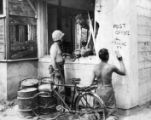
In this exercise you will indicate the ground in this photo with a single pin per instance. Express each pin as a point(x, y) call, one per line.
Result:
point(142, 112)
point(9, 111)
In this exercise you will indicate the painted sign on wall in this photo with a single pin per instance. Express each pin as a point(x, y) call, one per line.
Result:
point(121, 33)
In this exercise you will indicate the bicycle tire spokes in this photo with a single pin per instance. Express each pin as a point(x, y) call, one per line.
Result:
point(90, 103)
point(86, 102)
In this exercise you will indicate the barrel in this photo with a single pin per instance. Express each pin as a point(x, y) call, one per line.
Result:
point(47, 101)
point(46, 80)
point(28, 101)
point(47, 104)
point(29, 82)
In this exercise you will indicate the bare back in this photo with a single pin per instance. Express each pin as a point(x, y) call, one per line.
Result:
point(103, 73)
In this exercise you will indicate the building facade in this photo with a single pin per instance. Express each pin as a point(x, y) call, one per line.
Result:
point(25, 39)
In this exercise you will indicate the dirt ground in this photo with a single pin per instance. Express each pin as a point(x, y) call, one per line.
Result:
point(9, 111)
point(142, 112)
point(13, 114)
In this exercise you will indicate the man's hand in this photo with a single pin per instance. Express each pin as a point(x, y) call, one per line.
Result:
point(118, 55)
point(65, 54)
point(122, 70)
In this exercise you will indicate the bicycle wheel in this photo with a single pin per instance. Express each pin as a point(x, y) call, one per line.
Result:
point(90, 103)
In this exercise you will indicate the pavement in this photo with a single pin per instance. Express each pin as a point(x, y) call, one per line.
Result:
point(142, 112)
point(138, 113)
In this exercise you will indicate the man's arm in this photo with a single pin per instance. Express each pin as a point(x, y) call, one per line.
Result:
point(53, 54)
point(122, 70)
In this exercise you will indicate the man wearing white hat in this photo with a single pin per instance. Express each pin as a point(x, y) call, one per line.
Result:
point(57, 60)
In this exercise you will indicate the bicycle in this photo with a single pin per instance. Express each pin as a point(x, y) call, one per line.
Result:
point(84, 99)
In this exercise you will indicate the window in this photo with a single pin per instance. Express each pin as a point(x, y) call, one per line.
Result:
point(65, 20)
point(1, 6)
point(23, 39)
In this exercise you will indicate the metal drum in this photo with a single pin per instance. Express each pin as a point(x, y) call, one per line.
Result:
point(46, 80)
point(44, 88)
point(28, 101)
point(47, 101)
point(29, 82)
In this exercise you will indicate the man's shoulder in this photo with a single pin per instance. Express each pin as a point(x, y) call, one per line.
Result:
point(112, 67)
point(53, 49)
point(53, 46)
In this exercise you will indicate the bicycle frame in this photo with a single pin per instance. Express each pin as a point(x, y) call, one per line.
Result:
point(59, 95)
point(70, 109)
point(77, 93)
point(74, 97)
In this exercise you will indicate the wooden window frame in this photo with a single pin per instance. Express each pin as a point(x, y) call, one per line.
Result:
point(4, 8)
point(6, 15)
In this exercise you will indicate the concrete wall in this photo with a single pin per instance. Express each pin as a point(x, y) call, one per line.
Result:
point(81, 68)
point(43, 66)
point(124, 26)
point(3, 81)
point(144, 49)
point(12, 73)
point(17, 71)
point(117, 20)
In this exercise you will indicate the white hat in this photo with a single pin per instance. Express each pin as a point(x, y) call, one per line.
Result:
point(57, 35)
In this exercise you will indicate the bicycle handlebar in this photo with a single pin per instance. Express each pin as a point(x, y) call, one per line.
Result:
point(65, 85)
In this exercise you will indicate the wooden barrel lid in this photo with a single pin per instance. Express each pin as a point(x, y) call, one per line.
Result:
point(45, 95)
point(47, 80)
point(27, 92)
point(29, 82)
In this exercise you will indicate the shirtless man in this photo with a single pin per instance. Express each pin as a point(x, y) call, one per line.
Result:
point(102, 73)
point(55, 50)
point(57, 59)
